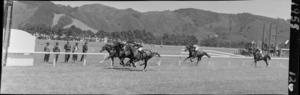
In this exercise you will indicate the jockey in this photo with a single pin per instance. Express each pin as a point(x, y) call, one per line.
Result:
point(196, 47)
point(124, 44)
point(140, 47)
point(259, 52)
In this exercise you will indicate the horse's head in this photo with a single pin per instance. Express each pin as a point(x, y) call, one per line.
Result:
point(106, 47)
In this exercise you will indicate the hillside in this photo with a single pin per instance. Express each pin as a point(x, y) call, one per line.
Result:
point(201, 23)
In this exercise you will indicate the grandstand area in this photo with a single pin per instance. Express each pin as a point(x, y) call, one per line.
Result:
point(223, 73)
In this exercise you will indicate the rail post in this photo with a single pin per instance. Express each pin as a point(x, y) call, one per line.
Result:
point(54, 61)
point(84, 61)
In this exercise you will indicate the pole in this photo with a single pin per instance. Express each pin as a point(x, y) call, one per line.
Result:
point(54, 61)
point(263, 36)
point(84, 61)
point(9, 4)
point(276, 37)
point(269, 39)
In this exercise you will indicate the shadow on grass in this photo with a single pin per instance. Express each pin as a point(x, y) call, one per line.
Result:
point(127, 69)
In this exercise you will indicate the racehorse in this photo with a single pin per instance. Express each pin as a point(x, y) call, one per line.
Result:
point(137, 56)
point(257, 58)
point(194, 54)
point(110, 48)
point(123, 53)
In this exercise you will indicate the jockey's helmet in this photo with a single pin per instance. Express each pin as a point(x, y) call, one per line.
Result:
point(195, 46)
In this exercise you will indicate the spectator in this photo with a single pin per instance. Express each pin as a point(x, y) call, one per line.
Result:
point(84, 50)
point(67, 48)
point(47, 49)
point(56, 49)
point(75, 50)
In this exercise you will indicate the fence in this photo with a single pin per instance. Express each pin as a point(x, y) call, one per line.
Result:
point(163, 55)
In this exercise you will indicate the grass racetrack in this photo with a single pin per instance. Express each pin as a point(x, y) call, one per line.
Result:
point(216, 76)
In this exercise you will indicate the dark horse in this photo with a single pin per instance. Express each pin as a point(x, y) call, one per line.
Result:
point(122, 53)
point(112, 51)
point(135, 55)
point(257, 57)
point(193, 54)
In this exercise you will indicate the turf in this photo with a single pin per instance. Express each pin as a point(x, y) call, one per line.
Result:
point(214, 76)
point(218, 77)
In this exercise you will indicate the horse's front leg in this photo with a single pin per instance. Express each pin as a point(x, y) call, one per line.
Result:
point(112, 62)
point(106, 59)
point(134, 61)
point(129, 62)
point(122, 61)
point(144, 62)
point(186, 58)
point(191, 59)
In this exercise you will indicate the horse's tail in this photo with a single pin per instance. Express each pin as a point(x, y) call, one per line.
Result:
point(206, 54)
point(101, 50)
point(268, 57)
point(155, 53)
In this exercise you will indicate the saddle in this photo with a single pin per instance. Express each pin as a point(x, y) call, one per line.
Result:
point(196, 51)
point(258, 55)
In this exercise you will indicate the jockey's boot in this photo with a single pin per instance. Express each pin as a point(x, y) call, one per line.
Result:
point(141, 52)
point(195, 52)
point(260, 55)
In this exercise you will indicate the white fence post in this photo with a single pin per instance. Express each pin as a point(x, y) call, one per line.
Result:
point(84, 61)
point(54, 61)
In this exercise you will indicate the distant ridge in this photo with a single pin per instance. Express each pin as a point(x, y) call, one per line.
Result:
point(201, 23)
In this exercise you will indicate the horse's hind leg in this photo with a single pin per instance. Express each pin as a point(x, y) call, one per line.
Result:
point(145, 64)
point(267, 63)
point(133, 63)
point(199, 59)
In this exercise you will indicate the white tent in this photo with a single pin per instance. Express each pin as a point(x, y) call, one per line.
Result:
point(20, 43)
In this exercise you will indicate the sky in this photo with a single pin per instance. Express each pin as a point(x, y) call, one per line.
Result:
point(269, 8)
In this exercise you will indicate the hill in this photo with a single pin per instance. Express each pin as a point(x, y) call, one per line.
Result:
point(201, 23)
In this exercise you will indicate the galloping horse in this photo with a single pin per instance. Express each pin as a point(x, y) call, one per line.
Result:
point(110, 48)
point(123, 53)
point(259, 58)
point(137, 56)
point(193, 54)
